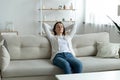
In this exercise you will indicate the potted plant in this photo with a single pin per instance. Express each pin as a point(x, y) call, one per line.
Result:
point(116, 25)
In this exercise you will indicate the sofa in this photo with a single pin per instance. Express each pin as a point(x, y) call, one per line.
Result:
point(28, 56)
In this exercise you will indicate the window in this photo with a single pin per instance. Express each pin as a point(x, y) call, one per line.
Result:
point(96, 11)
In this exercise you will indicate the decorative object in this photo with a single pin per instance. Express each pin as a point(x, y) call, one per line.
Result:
point(9, 26)
point(64, 7)
point(43, 6)
point(118, 10)
point(60, 7)
point(63, 19)
point(71, 6)
point(70, 19)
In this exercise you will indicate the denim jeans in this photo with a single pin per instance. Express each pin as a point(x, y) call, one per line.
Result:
point(68, 63)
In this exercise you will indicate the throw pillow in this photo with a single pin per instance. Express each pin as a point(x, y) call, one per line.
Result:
point(108, 50)
point(4, 56)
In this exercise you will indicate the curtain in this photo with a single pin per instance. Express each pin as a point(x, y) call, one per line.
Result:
point(96, 12)
point(96, 16)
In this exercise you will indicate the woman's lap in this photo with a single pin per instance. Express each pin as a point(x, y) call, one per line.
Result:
point(68, 63)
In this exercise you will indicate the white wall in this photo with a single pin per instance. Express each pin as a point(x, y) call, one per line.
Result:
point(24, 15)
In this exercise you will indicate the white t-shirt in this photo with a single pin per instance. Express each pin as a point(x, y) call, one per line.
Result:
point(63, 45)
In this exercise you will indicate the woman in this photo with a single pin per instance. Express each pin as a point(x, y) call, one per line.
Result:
point(62, 53)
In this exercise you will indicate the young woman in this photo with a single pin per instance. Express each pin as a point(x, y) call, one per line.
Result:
point(63, 55)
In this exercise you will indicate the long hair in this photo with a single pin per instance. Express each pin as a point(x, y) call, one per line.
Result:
point(55, 28)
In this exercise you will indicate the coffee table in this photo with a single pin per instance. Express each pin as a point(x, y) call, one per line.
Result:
point(107, 75)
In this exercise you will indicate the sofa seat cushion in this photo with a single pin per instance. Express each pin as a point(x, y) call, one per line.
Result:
point(93, 64)
point(22, 68)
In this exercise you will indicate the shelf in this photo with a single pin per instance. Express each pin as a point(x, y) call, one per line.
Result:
point(8, 32)
point(64, 11)
point(58, 9)
point(56, 21)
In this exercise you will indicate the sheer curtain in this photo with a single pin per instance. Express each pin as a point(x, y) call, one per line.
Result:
point(96, 12)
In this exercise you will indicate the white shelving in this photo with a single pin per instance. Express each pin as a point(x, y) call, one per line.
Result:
point(8, 32)
point(51, 11)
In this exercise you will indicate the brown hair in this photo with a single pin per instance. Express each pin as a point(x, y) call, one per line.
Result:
point(55, 28)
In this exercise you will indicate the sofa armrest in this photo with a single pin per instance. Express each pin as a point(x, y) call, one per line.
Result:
point(4, 56)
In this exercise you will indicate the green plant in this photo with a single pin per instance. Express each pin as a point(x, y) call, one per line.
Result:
point(117, 26)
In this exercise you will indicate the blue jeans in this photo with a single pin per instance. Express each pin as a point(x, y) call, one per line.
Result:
point(68, 63)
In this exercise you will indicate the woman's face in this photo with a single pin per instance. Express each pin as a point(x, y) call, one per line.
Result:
point(59, 28)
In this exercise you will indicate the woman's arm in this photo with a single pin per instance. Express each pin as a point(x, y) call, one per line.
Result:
point(67, 28)
point(73, 30)
point(47, 29)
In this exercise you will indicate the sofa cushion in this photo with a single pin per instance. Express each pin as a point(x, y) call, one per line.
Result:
point(4, 56)
point(85, 45)
point(95, 64)
point(107, 50)
point(23, 68)
point(27, 46)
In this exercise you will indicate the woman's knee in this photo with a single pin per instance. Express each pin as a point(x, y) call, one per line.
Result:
point(61, 63)
point(64, 65)
point(78, 67)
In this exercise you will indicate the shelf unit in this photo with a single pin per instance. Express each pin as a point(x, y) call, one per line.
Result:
point(56, 21)
point(57, 9)
point(64, 12)
point(8, 32)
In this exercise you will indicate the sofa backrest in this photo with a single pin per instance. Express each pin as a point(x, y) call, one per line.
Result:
point(34, 47)
point(85, 45)
point(27, 47)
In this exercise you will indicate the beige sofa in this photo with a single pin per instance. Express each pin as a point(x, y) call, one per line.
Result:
point(30, 56)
